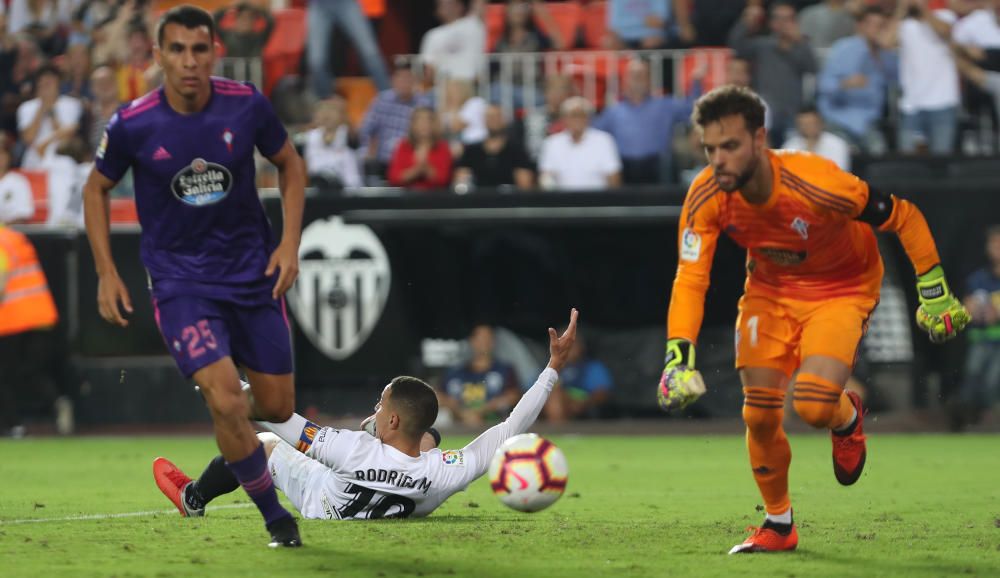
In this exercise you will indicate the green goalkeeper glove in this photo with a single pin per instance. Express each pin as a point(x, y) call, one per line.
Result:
point(940, 314)
point(680, 384)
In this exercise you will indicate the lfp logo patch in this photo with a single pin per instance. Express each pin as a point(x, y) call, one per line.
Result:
point(453, 457)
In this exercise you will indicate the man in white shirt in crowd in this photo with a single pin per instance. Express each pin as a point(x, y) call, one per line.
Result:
point(456, 48)
point(981, 28)
point(810, 136)
point(378, 473)
point(47, 120)
point(328, 152)
point(928, 78)
point(579, 157)
point(16, 202)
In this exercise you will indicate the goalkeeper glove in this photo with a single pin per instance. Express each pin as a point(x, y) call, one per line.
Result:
point(680, 384)
point(940, 314)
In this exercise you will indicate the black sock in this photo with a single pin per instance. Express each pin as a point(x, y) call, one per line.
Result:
point(847, 430)
point(783, 529)
point(217, 479)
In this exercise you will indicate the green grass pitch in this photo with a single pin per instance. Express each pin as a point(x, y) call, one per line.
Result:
point(927, 505)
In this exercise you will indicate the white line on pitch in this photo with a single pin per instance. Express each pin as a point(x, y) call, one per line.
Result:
point(110, 516)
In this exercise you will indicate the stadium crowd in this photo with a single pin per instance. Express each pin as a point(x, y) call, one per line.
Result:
point(840, 78)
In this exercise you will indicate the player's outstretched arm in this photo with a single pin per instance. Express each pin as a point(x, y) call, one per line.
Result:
point(940, 313)
point(110, 290)
point(292, 183)
point(526, 411)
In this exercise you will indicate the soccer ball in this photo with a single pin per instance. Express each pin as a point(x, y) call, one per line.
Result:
point(528, 473)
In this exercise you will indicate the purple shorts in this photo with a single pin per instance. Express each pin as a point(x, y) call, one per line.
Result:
point(199, 331)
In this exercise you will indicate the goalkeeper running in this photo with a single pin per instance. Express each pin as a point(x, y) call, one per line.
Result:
point(813, 279)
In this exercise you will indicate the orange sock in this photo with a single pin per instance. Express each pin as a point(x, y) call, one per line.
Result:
point(770, 454)
point(820, 402)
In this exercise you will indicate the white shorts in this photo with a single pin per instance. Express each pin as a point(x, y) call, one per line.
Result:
point(302, 479)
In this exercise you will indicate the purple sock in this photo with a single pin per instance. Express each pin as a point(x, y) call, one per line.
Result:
point(252, 474)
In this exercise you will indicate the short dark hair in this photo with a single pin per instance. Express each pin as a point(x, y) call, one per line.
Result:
point(870, 11)
point(726, 101)
point(47, 69)
point(809, 109)
point(417, 401)
point(187, 16)
point(786, 3)
point(992, 231)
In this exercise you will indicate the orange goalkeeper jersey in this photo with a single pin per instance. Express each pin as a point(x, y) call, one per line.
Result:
point(803, 243)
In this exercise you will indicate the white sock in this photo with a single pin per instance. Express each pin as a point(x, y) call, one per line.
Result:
point(850, 422)
point(290, 431)
point(784, 518)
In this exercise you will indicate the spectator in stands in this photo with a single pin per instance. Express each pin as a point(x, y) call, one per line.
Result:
point(981, 380)
point(643, 126)
point(646, 24)
point(738, 73)
point(17, 205)
point(244, 29)
point(133, 73)
point(780, 62)
point(463, 115)
point(980, 28)
point(812, 137)
point(329, 152)
point(88, 16)
point(483, 388)
point(323, 17)
point(986, 80)
point(521, 36)
point(388, 117)
point(47, 120)
point(422, 159)
point(456, 48)
point(76, 72)
point(928, 78)
point(103, 106)
point(853, 83)
point(67, 171)
point(584, 386)
point(827, 22)
point(579, 157)
point(496, 161)
point(8, 59)
point(40, 19)
point(540, 123)
point(27, 61)
point(714, 19)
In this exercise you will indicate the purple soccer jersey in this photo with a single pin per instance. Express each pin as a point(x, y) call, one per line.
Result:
point(203, 226)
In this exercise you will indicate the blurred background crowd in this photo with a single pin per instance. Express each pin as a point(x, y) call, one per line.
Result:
point(517, 95)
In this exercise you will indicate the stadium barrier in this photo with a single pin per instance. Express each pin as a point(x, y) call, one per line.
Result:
point(381, 274)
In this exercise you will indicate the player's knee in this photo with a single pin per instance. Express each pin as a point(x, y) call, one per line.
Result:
point(763, 411)
point(816, 413)
point(275, 410)
point(226, 404)
point(816, 399)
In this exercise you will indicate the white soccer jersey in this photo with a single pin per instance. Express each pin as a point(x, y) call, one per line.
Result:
point(351, 474)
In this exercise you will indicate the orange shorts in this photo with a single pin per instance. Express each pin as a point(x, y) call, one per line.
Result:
point(779, 332)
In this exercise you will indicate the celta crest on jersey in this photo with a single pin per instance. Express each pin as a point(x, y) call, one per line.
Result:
point(343, 285)
point(202, 183)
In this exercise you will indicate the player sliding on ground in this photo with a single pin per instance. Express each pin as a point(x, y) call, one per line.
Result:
point(813, 279)
point(383, 473)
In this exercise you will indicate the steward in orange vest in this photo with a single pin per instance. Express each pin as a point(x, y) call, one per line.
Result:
point(25, 300)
